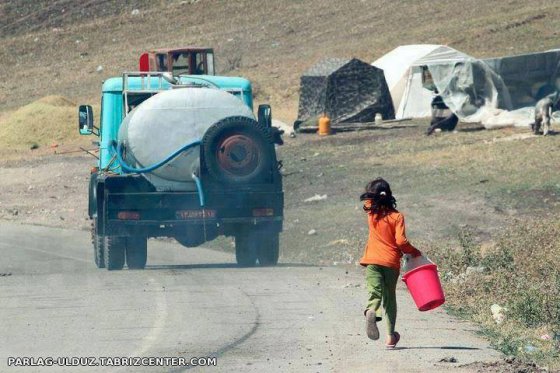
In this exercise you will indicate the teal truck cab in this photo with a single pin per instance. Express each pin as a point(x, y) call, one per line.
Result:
point(182, 157)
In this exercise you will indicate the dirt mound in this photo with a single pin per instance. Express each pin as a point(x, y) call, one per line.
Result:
point(58, 101)
point(48, 120)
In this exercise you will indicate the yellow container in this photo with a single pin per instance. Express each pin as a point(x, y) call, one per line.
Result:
point(324, 125)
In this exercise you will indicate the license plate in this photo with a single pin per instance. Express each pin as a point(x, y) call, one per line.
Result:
point(195, 214)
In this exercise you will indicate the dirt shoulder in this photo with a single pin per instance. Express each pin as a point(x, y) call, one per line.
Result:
point(46, 190)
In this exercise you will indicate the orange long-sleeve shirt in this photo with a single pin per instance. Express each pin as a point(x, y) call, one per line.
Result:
point(387, 241)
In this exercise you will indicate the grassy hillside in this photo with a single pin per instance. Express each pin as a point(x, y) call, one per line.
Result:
point(54, 47)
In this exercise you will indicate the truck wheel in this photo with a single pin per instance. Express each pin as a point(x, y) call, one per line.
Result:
point(92, 197)
point(97, 242)
point(269, 248)
point(238, 150)
point(192, 237)
point(246, 248)
point(113, 252)
point(136, 252)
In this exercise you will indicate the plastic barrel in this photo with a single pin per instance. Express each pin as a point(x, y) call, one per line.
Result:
point(424, 286)
point(324, 126)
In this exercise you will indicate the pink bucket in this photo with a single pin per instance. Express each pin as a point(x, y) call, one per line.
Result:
point(425, 287)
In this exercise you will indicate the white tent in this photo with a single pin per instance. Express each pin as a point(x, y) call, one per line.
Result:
point(468, 86)
point(403, 72)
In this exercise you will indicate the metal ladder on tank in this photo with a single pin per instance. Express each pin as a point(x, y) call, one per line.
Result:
point(151, 82)
point(148, 86)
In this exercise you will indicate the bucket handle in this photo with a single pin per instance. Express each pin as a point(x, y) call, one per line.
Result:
point(407, 258)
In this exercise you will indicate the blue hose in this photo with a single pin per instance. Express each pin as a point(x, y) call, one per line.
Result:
point(118, 150)
point(199, 188)
point(129, 169)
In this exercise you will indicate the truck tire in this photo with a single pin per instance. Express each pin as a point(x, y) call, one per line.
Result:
point(238, 150)
point(97, 242)
point(136, 252)
point(92, 195)
point(192, 237)
point(268, 248)
point(114, 252)
point(246, 246)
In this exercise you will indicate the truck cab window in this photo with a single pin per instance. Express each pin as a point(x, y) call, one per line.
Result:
point(136, 99)
point(181, 62)
point(210, 63)
point(161, 62)
point(200, 68)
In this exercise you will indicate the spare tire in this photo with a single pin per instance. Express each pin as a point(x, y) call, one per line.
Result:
point(238, 150)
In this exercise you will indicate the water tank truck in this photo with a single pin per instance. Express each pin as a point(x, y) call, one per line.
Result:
point(182, 157)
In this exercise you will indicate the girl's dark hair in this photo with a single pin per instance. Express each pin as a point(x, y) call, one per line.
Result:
point(378, 191)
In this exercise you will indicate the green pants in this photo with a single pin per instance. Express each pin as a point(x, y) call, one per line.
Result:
point(381, 285)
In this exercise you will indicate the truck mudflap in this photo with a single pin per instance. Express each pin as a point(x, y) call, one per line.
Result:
point(154, 214)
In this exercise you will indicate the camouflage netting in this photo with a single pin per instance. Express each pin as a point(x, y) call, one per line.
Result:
point(348, 91)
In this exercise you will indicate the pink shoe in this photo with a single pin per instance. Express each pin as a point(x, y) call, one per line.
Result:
point(392, 343)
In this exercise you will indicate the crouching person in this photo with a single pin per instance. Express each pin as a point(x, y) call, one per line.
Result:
point(442, 117)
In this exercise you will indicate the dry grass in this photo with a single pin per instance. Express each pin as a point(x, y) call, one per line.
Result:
point(521, 272)
point(48, 121)
point(455, 180)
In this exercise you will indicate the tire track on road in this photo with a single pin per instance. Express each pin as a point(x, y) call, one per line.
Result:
point(230, 346)
point(10, 245)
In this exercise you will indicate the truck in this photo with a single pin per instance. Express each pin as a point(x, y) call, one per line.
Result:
point(182, 156)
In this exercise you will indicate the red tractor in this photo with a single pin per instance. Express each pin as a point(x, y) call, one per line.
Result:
point(180, 61)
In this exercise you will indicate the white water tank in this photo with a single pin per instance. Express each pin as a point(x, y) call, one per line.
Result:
point(168, 121)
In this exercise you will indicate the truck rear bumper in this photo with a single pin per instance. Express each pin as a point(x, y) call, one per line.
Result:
point(156, 214)
point(172, 228)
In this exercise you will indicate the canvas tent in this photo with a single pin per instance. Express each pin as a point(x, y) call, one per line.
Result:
point(528, 77)
point(400, 76)
point(467, 85)
point(346, 90)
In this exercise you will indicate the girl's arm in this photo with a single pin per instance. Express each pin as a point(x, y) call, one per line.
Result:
point(402, 242)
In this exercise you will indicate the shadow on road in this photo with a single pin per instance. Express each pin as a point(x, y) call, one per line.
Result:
point(437, 348)
point(223, 266)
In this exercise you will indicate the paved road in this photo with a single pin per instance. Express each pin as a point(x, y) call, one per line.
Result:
point(196, 302)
